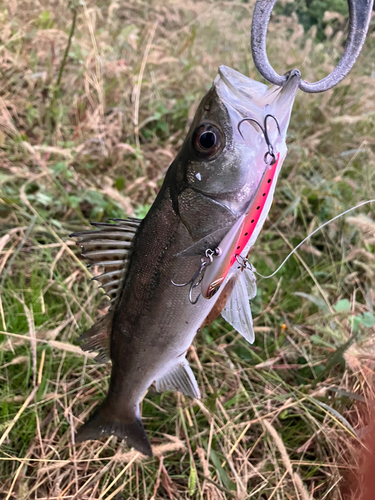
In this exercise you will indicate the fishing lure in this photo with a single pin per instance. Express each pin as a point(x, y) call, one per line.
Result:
point(221, 267)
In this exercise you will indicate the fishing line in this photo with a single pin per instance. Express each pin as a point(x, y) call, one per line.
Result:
point(311, 234)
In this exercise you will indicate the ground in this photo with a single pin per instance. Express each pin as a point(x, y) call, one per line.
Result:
point(91, 115)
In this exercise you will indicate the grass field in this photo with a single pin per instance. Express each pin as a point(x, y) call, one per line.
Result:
point(90, 119)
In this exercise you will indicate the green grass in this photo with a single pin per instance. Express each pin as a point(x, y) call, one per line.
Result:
point(275, 418)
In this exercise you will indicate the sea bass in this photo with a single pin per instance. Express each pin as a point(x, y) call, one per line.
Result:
point(237, 136)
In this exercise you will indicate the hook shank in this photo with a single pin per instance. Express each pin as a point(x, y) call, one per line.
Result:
point(359, 19)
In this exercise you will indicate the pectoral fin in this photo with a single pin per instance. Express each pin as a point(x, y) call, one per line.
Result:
point(237, 309)
point(210, 241)
point(179, 378)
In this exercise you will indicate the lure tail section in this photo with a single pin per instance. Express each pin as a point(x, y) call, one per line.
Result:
point(104, 423)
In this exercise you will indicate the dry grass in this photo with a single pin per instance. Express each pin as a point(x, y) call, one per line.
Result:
point(284, 419)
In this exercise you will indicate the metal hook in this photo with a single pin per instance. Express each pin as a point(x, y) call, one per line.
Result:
point(359, 19)
point(271, 151)
point(244, 263)
point(197, 277)
point(264, 129)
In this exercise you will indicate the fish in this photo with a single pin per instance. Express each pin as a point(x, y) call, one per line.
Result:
point(207, 193)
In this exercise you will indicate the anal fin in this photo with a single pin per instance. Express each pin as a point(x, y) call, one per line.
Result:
point(180, 378)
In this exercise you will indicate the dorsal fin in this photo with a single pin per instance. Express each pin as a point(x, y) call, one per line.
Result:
point(109, 246)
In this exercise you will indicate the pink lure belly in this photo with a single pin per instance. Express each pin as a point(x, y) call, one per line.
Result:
point(237, 238)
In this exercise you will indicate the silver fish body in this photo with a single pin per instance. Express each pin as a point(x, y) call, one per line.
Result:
point(152, 323)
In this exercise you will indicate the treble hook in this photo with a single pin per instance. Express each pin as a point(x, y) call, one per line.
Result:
point(359, 19)
point(264, 129)
point(244, 263)
point(197, 277)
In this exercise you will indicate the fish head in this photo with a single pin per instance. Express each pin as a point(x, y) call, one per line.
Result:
point(225, 152)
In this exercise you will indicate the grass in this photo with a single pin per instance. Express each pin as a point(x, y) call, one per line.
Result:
point(90, 137)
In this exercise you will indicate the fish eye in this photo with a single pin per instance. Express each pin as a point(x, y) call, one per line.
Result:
point(207, 140)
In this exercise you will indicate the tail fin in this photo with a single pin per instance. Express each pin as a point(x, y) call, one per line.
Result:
point(104, 423)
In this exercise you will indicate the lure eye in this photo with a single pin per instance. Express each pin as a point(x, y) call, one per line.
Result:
point(207, 140)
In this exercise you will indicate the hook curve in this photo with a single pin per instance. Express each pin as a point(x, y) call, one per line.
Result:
point(359, 19)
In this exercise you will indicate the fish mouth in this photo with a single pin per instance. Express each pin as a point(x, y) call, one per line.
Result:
point(240, 91)
point(236, 88)
point(246, 98)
